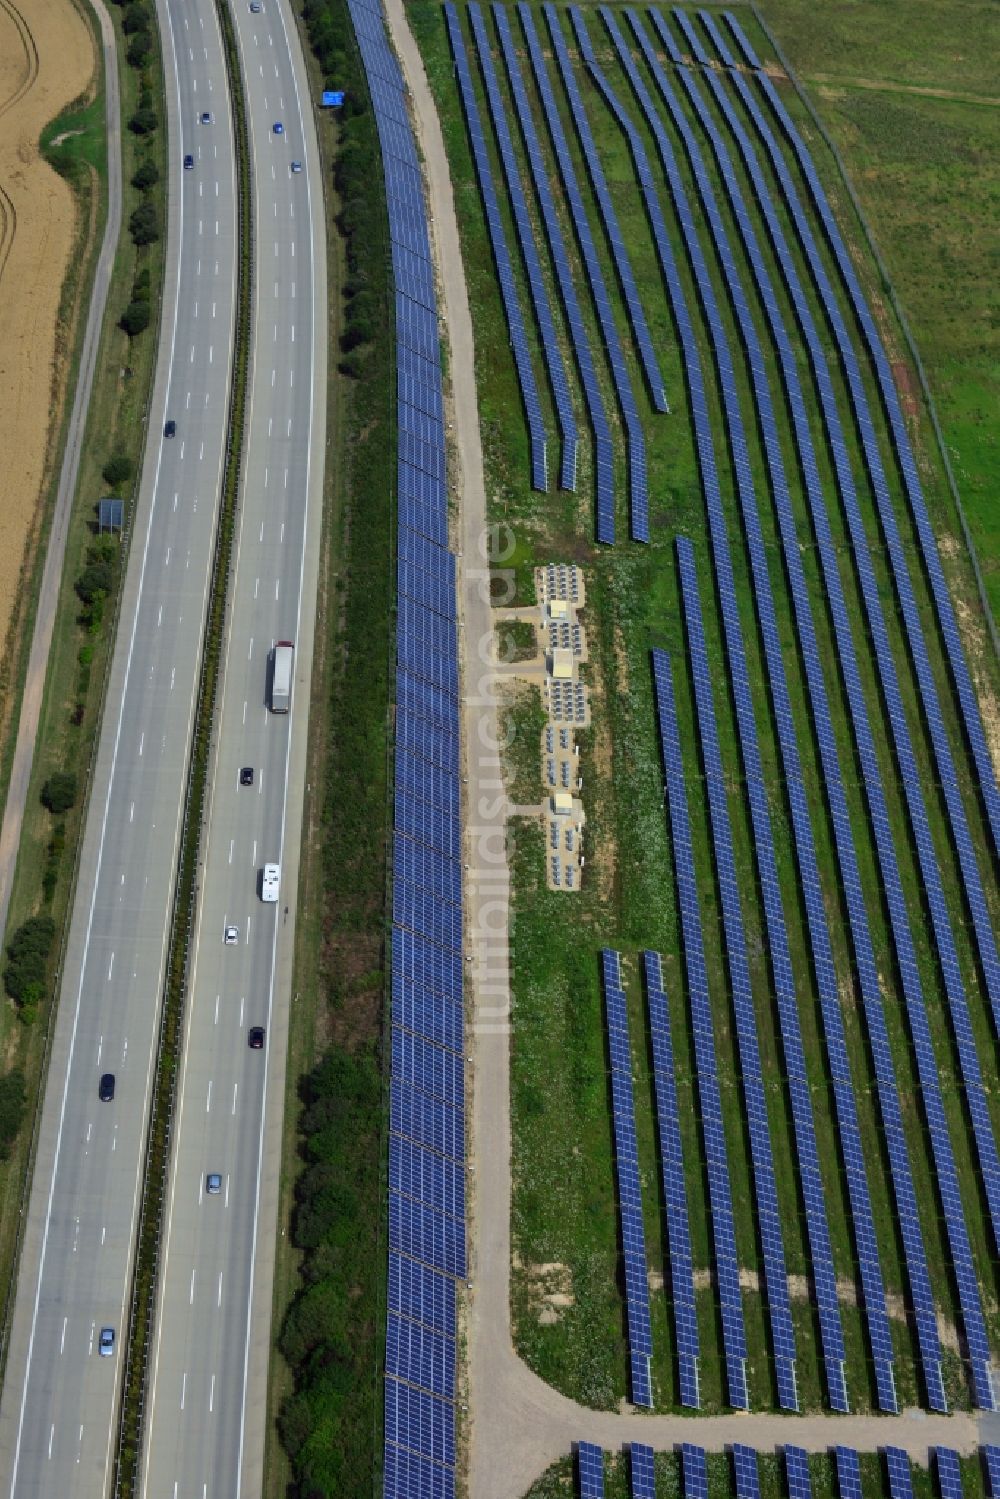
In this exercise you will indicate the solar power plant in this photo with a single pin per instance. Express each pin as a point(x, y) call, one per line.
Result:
point(720, 1191)
point(641, 1476)
point(619, 253)
point(590, 1466)
point(674, 1188)
point(529, 253)
point(969, 704)
point(629, 1186)
point(603, 450)
point(910, 777)
point(949, 1473)
point(992, 1455)
point(501, 254)
point(797, 1473)
point(944, 1158)
point(694, 1471)
point(638, 478)
point(899, 1157)
point(768, 1209)
point(898, 1468)
point(848, 1473)
point(427, 1084)
point(745, 1472)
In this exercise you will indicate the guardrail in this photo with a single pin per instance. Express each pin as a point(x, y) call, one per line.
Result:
point(146, 1261)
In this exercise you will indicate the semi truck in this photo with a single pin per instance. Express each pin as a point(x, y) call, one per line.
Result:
point(281, 676)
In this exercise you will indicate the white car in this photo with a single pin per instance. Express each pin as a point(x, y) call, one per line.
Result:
point(106, 1344)
point(232, 935)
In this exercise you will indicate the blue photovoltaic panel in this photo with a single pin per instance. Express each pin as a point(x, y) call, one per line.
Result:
point(797, 1473)
point(989, 1163)
point(419, 1421)
point(848, 1474)
point(629, 1187)
point(992, 1455)
point(967, 698)
point(695, 1472)
point(429, 1178)
point(745, 1472)
point(768, 1209)
point(718, 41)
point(409, 1476)
point(898, 1468)
point(603, 452)
point(428, 1121)
point(949, 1473)
point(690, 36)
point(424, 866)
point(424, 1233)
point(899, 1158)
point(422, 1358)
point(529, 252)
point(501, 254)
point(642, 1478)
point(674, 1188)
point(417, 962)
point(638, 490)
point(422, 1294)
point(590, 1465)
point(720, 1191)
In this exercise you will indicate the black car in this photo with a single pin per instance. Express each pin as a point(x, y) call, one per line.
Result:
point(246, 776)
point(189, 163)
point(255, 1039)
point(106, 1091)
point(170, 429)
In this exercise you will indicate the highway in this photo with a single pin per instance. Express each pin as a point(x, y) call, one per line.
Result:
point(57, 1413)
point(205, 1407)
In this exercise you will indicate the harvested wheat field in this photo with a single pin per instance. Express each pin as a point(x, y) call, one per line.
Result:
point(47, 60)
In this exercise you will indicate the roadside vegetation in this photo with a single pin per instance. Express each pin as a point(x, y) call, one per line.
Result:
point(86, 618)
point(325, 1391)
point(566, 1288)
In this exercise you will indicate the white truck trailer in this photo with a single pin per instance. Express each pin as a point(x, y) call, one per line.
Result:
point(281, 676)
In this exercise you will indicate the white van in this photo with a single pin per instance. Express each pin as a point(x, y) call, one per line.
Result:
point(269, 880)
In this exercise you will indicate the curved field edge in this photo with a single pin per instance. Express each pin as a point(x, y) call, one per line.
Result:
point(83, 634)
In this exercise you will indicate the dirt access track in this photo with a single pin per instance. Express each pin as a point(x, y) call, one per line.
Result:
point(47, 60)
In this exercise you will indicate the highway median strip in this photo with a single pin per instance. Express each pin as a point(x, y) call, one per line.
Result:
point(147, 1256)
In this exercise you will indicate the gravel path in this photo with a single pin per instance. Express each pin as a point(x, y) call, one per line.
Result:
point(518, 1424)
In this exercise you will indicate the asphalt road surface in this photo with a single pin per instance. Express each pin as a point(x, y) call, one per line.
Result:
point(57, 1414)
point(205, 1411)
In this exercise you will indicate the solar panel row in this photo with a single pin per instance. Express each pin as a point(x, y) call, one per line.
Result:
point(898, 1469)
point(909, 772)
point(899, 1157)
point(641, 1476)
point(944, 1160)
point(797, 1473)
point(590, 1464)
point(768, 1208)
point(620, 255)
point(637, 470)
point(674, 1189)
point(603, 450)
point(949, 1473)
point(529, 253)
point(694, 1470)
point(993, 1470)
point(427, 1087)
point(720, 1192)
point(501, 254)
point(968, 700)
point(640, 1339)
point(745, 1472)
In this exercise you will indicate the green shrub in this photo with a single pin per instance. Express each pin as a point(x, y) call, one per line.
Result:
point(144, 225)
point(136, 18)
point(141, 286)
point(143, 122)
point(13, 1097)
point(140, 49)
point(135, 318)
point(117, 470)
point(147, 176)
point(28, 955)
point(59, 792)
point(95, 582)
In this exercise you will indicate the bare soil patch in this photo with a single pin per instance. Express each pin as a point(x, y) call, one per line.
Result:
point(47, 61)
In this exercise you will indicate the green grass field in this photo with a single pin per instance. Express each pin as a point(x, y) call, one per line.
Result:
point(569, 1316)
